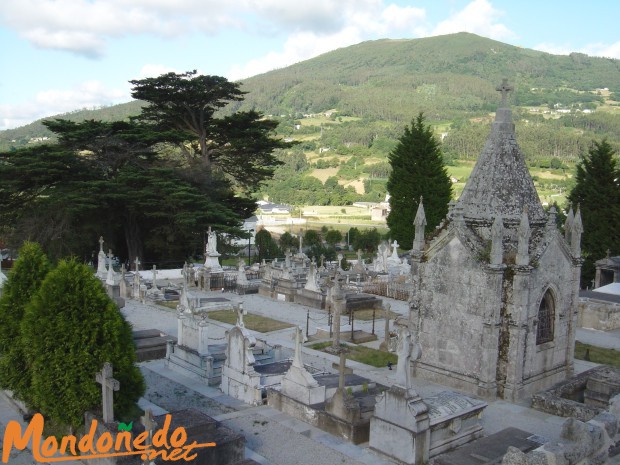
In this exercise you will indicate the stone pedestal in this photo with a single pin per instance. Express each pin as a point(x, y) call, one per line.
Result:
point(314, 299)
point(400, 427)
point(212, 263)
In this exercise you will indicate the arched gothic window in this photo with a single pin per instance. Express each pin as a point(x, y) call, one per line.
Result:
point(546, 319)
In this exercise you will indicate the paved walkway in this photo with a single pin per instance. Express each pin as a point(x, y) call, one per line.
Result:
point(595, 337)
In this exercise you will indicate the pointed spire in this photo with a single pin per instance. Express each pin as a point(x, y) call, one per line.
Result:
point(497, 239)
point(523, 234)
point(568, 224)
point(500, 183)
point(575, 236)
point(420, 223)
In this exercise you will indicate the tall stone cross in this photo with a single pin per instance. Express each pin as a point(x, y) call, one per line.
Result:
point(504, 88)
point(137, 262)
point(154, 277)
point(108, 386)
point(100, 243)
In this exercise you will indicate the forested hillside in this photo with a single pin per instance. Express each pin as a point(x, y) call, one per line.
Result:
point(347, 108)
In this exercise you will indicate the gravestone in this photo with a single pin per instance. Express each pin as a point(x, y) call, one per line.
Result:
point(212, 262)
point(191, 353)
point(239, 379)
point(135, 292)
point(400, 426)
point(455, 419)
point(108, 386)
point(102, 272)
point(298, 383)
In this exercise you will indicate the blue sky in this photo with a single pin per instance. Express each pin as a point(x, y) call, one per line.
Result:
point(64, 55)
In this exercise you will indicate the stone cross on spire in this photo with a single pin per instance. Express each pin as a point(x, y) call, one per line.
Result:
point(504, 88)
point(137, 262)
point(100, 243)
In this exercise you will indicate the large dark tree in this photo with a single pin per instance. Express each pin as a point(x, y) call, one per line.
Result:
point(150, 186)
point(597, 192)
point(70, 329)
point(417, 171)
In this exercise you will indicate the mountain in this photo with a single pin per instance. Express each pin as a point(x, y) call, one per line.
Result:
point(449, 78)
point(443, 76)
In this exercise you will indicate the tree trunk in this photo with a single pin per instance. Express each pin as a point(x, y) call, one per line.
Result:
point(133, 239)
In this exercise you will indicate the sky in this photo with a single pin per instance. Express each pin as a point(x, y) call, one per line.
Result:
point(65, 55)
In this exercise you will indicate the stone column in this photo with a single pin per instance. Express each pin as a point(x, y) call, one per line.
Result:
point(203, 339)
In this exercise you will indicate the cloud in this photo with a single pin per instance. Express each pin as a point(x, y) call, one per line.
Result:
point(361, 21)
point(598, 49)
point(478, 17)
point(84, 26)
point(89, 94)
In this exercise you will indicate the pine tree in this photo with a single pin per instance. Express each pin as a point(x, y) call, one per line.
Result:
point(597, 193)
point(70, 329)
point(417, 171)
point(23, 282)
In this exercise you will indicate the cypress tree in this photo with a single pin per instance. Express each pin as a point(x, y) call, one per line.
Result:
point(23, 282)
point(417, 170)
point(597, 192)
point(70, 329)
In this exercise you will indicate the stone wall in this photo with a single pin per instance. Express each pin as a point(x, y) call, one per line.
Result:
point(598, 314)
point(460, 302)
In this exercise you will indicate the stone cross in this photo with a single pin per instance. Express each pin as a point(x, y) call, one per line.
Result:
point(100, 243)
point(300, 244)
point(338, 302)
point(108, 385)
point(504, 88)
point(137, 262)
point(149, 426)
point(154, 277)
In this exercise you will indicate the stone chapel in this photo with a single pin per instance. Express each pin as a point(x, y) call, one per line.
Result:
point(495, 294)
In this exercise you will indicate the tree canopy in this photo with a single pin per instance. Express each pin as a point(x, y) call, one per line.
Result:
point(239, 145)
point(23, 282)
point(417, 171)
point(152, 185)
point(69, 330)
point(597, 193)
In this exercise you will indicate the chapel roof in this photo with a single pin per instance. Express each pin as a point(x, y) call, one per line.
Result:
point(500, 183)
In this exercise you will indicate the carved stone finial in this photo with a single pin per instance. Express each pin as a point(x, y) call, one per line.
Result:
point(420, 223)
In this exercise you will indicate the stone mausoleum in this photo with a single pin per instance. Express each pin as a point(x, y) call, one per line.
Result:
point(496, 289)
